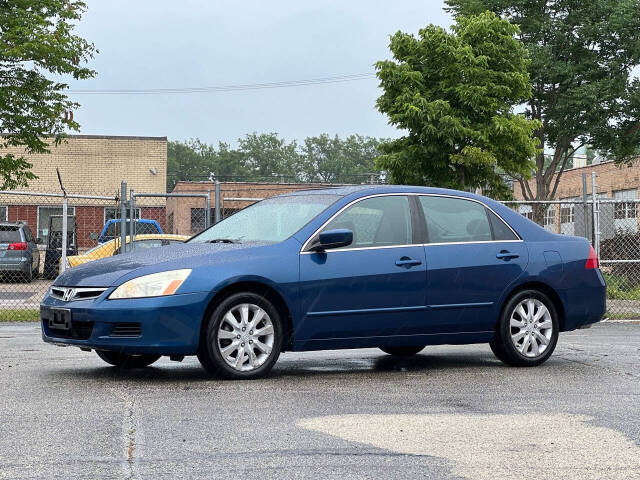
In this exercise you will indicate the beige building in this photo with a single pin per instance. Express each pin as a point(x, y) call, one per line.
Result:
point(90, 165)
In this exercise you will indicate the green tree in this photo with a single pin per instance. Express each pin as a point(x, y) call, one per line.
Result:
point(267, 155)
point(333, 160)
point(583, 53)
point(188, 161)
point(453, 93)
point(36, 40)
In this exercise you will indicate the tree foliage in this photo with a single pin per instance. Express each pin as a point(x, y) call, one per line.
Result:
point(37, 42)
point(582, 57)
point(454, 93)
point(267, 157)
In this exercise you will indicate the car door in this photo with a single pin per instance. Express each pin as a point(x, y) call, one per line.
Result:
point(472, 256)
point(374, 287)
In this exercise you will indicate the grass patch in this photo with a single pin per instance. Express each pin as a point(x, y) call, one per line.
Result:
point(19, 315)
point(622, 316)
point(620, 288)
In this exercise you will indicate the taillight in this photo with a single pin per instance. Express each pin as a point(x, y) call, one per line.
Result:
point(592, 260)
point(17, 246)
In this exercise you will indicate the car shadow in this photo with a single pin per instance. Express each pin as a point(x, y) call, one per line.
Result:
point(289, 367)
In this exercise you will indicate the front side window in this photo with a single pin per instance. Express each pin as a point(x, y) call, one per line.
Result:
point(376, 222)
point(454, 220)
point(269, 221)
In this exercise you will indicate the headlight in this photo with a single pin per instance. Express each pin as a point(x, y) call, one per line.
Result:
point(154, 285)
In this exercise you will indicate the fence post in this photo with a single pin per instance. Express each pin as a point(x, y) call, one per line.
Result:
point(207, 210)
point(217, 193)
point(65, 227)
point(596, 214)
point(123, 216)
point(132, 216)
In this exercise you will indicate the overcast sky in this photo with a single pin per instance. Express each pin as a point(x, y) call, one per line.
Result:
point(168, 44)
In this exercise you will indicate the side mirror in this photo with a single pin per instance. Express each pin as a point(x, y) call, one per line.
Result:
point(38, 240)
point(337, 238)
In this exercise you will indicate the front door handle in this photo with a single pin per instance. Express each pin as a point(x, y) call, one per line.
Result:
point(408, 262)
point(506, 255)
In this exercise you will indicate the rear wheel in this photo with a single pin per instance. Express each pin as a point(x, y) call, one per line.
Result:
point(124, 360)
point(403, 351)
point(528, 329)
point(243, 337)
point(28, 276)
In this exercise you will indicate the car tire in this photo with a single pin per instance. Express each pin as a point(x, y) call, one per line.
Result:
point(124, 360)
point(230, 330)
point(527, 332)
point(403, 351)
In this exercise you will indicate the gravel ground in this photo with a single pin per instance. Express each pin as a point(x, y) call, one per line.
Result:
point(449, 412)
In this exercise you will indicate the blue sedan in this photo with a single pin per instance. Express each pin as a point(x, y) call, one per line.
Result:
point(392, 267)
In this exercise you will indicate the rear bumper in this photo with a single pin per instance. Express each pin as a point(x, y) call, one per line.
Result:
point(585, 305)
point(168, 325)
point(22, 264)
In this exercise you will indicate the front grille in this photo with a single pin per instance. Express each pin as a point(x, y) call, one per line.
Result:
point(78, 331)
point(69, 294)
point(126, 330)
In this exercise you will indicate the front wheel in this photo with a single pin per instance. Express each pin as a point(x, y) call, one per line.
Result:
point(126, 361)
point(403, 351)
point(243, 337)
point(528, 329)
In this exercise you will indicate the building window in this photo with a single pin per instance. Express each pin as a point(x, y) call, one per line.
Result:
point(197, 220)
point(3, 214)
point(526, 211)
point(550, 216)
point(111, 213)
point(44, 215)
point(567, 212)
point(625, 210)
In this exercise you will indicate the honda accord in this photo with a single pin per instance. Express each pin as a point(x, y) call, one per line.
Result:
point(390, 267)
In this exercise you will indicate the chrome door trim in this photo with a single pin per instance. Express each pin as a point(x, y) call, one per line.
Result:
point(303, 250)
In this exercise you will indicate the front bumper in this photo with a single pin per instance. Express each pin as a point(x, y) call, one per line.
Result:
point(168, 325)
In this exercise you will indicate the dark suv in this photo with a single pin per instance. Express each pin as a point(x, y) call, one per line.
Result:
point(19, 255)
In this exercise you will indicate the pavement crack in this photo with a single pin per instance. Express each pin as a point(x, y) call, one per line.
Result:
point(130, 434)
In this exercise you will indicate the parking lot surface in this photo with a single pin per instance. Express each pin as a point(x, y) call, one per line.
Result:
point(449, 412)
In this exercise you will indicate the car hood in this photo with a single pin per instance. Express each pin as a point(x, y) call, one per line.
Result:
point(106, 272)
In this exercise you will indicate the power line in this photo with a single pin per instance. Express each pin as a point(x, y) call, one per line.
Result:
point(231, 88)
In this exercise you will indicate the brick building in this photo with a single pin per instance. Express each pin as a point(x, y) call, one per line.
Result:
point(186, 215)
point(90, 165)
point(618, 182)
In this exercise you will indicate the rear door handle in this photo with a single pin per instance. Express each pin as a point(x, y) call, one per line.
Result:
point(506, 255)
point(407, 262)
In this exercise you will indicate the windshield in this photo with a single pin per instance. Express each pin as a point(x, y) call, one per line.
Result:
point(272, 220)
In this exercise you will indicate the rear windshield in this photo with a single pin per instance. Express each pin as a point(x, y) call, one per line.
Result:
point(9, 234)
point(113, 230)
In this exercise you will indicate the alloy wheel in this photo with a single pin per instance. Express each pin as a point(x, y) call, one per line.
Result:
point(245, 337)
point(531, 327)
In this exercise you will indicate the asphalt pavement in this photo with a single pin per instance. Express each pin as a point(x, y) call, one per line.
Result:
point(451, 412)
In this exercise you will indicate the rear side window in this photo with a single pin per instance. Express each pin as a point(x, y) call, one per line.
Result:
point(28, 235)
point(9, 234)
point(452, 220)
point(500, 229)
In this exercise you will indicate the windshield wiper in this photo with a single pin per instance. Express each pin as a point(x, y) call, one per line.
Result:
point(222, 240)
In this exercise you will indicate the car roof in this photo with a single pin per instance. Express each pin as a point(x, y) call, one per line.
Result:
point(344, 190)
point(138, 220)
point(12, 224)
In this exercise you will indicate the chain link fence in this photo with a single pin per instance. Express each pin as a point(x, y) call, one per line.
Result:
point(36, 242)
